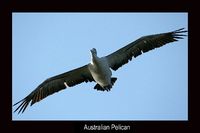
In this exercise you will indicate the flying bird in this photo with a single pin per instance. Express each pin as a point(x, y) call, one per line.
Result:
point(99, 69)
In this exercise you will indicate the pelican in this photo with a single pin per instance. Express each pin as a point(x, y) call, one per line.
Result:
point(99, 69)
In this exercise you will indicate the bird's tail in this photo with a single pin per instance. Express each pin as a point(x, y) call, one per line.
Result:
point(98, 87)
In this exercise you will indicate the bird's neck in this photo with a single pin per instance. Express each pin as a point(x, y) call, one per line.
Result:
point(94, 59)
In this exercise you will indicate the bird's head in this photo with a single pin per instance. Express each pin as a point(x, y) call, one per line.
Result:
point(93, 51)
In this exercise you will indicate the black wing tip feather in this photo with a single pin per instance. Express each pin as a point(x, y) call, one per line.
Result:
point(22, 106)
point(176, 32)
point(180, 30)
point(17, 102)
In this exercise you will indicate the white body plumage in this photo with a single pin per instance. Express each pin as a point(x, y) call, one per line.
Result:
point(100, 69)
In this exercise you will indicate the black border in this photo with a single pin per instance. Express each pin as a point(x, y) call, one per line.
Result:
point(77, 126)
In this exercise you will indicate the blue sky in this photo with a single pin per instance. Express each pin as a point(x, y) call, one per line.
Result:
point(153, 86)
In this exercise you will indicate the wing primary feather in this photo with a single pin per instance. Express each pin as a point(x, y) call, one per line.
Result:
point(33, 100)
point(25, 106)
point(19, 106)
point(177, 37)
point(24, 102)
point(18, 102)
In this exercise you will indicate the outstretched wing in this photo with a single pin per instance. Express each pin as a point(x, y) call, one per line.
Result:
point(55, 84)
point(142, 45)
